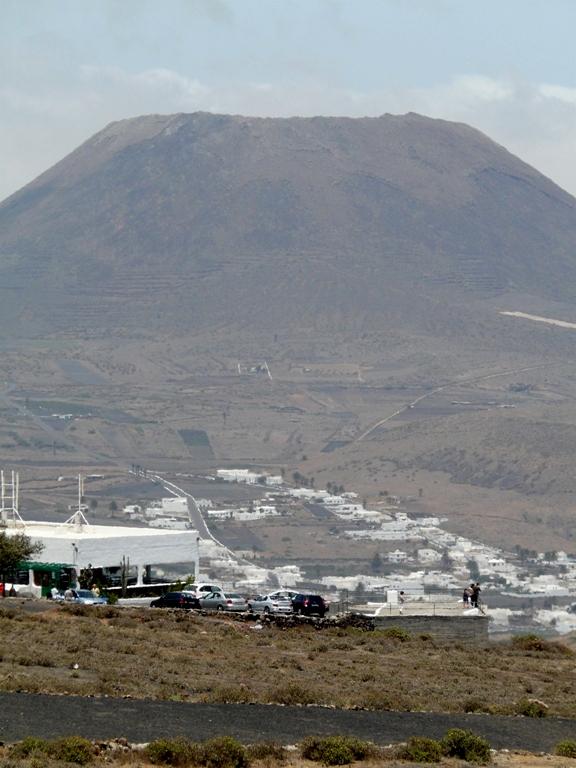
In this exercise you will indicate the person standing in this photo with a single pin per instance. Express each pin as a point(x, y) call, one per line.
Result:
point(475, 594)
point(401, 601)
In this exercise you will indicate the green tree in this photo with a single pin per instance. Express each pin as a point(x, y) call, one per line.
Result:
point(113, 506)
point(14, 550)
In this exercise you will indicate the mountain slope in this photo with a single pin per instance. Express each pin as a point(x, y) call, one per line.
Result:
point(196, 221)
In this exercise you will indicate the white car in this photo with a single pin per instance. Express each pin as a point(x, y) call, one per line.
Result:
point(202, 589)
point(270, 604)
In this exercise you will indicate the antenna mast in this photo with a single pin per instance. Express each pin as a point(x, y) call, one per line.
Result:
point(9, 497)
point(78, 518)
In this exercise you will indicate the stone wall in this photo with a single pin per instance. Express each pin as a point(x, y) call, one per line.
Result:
point(450, 628)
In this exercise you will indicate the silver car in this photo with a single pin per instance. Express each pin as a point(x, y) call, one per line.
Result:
point(223, 601)
point(283, 593)
point(270, 604)
point(84, 597)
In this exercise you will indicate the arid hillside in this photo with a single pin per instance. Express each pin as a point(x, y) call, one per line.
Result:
point(322, 295)
point(191, 222)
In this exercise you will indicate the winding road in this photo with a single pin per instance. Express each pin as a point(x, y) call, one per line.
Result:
point(456, 382)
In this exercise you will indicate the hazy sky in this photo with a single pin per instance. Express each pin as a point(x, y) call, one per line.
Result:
point(69, 67)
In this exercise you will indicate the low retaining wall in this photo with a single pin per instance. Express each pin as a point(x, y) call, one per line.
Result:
point(473, 629)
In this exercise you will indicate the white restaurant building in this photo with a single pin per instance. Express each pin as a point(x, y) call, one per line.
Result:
point(82, 545)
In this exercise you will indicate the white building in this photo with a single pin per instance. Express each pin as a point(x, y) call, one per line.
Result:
point(176, 506)
point(288, 575)
point(237, 476)
point(307, 493)
point(256, 512)
point(427, 555)
point(105, 546)
point(220, 514)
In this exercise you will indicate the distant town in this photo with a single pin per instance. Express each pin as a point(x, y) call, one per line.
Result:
point(415, 555)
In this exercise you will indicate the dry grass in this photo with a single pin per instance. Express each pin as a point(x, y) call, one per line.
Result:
point(180, 656)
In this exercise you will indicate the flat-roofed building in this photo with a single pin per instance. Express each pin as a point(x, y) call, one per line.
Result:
point(83, 546)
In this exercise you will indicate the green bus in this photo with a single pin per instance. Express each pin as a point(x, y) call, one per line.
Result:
point(34, 579)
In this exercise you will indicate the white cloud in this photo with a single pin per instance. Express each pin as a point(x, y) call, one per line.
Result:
point(559, 92)
point(159, 83)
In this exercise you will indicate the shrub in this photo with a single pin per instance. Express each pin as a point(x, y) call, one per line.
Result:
point(397, 633)
point(335, 750)
point(362, 750)
point(229, 695)
point(538, 644)
point(476, 705)
point(292, 693)
point(466, 745)
point(77, 610)
point(224, 752)
point(566, 748)
point(72, 749)
point(531, 708)
point(267, 750)
point(529, 643)
point(170, 752)
point(28, 746)
point(330, 750)
point(421, 750)
point(380, 700)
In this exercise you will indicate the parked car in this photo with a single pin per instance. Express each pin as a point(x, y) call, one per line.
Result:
point(270, 604)
point(308, 605)
point(83, 597)
point(176, 600)
point(202, 589)
point(283, 593)
point(223, 601)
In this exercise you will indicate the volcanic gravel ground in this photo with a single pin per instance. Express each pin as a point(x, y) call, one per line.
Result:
point(142, 721)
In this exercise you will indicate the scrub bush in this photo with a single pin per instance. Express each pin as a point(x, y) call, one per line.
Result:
point(224, 752)
point(421, 750)
point(29, 746)
point(540, 645)
point(267, 750)
point(171, 752)
point(335, 750)
point(466, 745)
point(531, 708)
point(72, 749)
point(291, 694)
point(396, 633)
point(566, 748)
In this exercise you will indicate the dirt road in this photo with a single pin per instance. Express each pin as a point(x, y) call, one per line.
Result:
point(141, 721)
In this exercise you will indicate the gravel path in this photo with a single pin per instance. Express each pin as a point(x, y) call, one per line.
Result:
point(140, 721)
